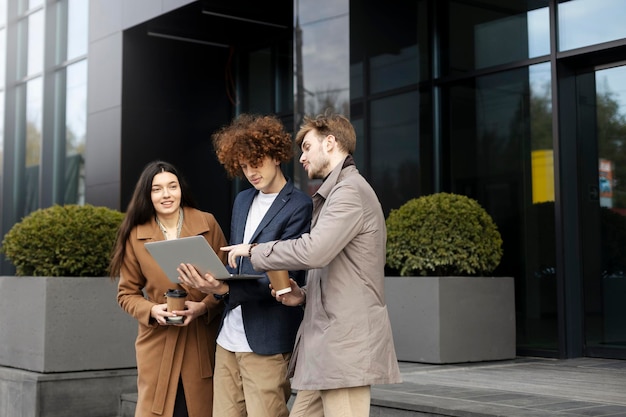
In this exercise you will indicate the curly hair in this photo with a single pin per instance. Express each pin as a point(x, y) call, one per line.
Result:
point(251, 138)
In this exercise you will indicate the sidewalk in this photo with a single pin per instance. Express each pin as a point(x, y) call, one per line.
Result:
point(523, 387)
point(518, 388)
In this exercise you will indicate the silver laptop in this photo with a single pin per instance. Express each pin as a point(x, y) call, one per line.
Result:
point(194, 250)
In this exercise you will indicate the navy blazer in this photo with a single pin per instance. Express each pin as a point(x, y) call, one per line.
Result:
point(270, 326)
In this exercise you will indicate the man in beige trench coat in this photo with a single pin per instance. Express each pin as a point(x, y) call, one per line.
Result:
point(344, 344)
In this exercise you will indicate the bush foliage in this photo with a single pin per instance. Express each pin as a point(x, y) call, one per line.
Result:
point(70, 240)
point(442, 235)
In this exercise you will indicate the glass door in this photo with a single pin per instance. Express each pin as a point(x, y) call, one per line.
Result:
point(601, 125)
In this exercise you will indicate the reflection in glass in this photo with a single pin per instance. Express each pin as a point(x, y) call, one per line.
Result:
point(359, 152)
point(481, 35)
point(541, 144)
point(34, 107)
point(538, 22)
point(35, 43)
point(394, 58)
point(395, 148)
point(391, 59)
point(3, 12)
point(76, 126)
point(356, 80)
point(260, 75)
point(611, 114)
point(34, 3)
point(494, 125)
point(539, 329)
point(604, 227)
point(588, 22)
point(77, 26)
point(3, 62)
point(1, 133)
point(390, 71)
point(323, 74)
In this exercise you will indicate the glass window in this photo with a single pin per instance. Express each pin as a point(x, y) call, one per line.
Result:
point(356, 80)
point(76, 126)
point(34, 91)
point(359, 151)
point(260, 75)
point(34, 3)
point(3, 12)
point(611, 116)
point(77, 26)
point(483, 34)
point(26, 5)
point(392, 58)
point(33, 128)
point(322, 27)
point(388, 71)
point(499, 151)
point(588, 22)
point(396, 139)
point(322, 72)
point(605, 259)
point(541, 146)
point(1, 133)
point(3, 50)
point(3, 54)
point(35, 43)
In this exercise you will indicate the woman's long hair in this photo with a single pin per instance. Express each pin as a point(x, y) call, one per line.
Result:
point(140, 209)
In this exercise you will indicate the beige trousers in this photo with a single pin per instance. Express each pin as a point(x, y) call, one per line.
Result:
point(248, 384)
point(340, 402)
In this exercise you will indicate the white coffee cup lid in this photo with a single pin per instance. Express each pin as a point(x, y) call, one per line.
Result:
point(283, 291)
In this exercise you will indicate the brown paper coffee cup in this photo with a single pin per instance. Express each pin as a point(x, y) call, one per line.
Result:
point(279, 281)
point(176, 302)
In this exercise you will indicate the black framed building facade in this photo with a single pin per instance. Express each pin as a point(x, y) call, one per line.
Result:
point(518, 104)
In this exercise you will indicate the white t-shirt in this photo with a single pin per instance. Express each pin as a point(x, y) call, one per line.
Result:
point(232, 336)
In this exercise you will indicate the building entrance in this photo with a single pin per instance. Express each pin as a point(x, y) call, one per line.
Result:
point(601, 155)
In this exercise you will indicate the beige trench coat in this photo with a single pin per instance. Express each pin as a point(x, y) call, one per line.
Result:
point(165, 353)
point(345, 338)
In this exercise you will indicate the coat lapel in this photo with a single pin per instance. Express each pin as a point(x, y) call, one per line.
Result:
point(281, 199)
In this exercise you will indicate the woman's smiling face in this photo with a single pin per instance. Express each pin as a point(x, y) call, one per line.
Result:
point(165, 194)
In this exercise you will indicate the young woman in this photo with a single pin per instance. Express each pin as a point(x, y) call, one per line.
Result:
point(174, 361)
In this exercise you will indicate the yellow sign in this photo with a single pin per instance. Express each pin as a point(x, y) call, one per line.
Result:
point(542, 175)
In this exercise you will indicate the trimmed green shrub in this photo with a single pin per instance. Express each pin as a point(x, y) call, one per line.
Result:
point(70, 241)
point(442, 235)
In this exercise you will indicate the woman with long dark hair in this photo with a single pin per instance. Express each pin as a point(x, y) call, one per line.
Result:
point(174, 361)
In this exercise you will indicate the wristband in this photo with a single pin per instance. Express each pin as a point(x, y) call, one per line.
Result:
point(221, 296)
point(250, 249)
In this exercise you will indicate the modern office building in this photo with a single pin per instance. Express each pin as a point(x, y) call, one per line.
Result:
point(518, 104)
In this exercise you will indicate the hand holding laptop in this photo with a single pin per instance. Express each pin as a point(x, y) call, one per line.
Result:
point(206, 283)
point(194, 250)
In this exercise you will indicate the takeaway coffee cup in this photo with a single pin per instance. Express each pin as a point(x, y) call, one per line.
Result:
point(175, 302)
point(279, 281)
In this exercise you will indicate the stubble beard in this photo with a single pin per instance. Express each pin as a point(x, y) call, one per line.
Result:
point(319, 173)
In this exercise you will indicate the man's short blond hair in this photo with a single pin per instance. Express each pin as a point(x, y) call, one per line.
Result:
point(330, 123)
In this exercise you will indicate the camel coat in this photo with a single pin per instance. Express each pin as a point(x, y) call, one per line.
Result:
point(345, 338)
point(167, 353)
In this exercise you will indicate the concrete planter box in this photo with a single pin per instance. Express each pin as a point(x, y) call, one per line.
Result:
point(64, 324)
point(452, 319)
